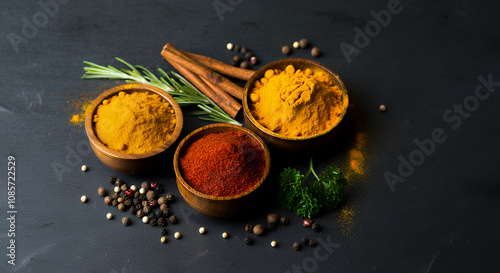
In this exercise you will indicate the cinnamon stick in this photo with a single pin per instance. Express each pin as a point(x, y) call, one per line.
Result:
point(230, 107)
point(169, 52)
point(226, 97)
point(221, 67)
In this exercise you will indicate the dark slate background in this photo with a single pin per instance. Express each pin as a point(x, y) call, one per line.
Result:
point(442, 218)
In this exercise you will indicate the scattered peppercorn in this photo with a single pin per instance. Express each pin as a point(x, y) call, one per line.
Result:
point(272, 218)
point(244, 65)
point(145, 185)
point(162, 222)
point(112, 180)
point(109, 216)
point(237, 48)
point(316, 227)
point(153, 185)
point(122, 194)
point(108, 200)
point(136, 201)
point(225, 235)
point(304, 43)
point(101, 191)
point(296, 44)
point(249, 55)
point(315, 52)
point(258, 229)
point(304, 240)
point(158, 213)
point(146, 209)
point(142, 191)
point(274, 244)
point(163, 231)
point(138, 206)
point(117, 189)
point(127, 202)
point(114, 203)
point(177, 235)
point(126, 221)
point(153, 203)
point(133, 210)
point(137, 193)
point(254, 60)
point(145, 219)
point(307, 223)
point(162, 200)
point(158, 189)
point(284, 220)
point(296, 246)
point(124, 187)
point(114, 196)
point(118, 182)
point(248, 240)
point(166, 212)
point(271, 227)
point(84, 168)
point(163, 239)
point(83, 198)
point(129, 192)
point(243, 50)
point(173, 219)
point(286, 50)
point(382, 108)
point(133, 188)
point(122, 207)
point(145, 203)
point(139, 213)
point(311, 243)
point(170, 197)
point(151, 195)
point(236, 60)
point(229, 46)
point(120, 199)
point(202, 230)
point(153, 222)
point(249, 228)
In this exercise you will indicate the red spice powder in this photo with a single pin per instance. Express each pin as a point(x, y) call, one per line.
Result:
point(223, 164)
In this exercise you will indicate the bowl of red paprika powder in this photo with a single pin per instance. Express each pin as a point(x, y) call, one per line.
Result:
point(220, 169)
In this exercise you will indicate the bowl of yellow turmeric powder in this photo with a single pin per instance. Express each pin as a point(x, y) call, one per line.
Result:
point(295, 104)
point(131, 126)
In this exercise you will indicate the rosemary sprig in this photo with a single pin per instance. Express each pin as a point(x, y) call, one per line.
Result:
point(179, 88)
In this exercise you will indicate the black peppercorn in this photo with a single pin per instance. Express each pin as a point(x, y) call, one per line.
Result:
point(244, 65)
point(142, 197)
point(236, 60)
point(136, 201)
point(249, 228)
point(237, 48)
point(271, 227)
point(146, 209)
point(151, 195)
point(114, 196)
point(243, 50)
point(272, 218)
point(248, 240)
point(158, 189)
point(108, 200)
point(127, 202)
point(145, 185)
point(296, 246)
point(316, 227)
point(145, 203)
point(284, 220)
point(118, 182)
point(138, 206)
point(152, 216)
point(163, 231)
point(248, 55)
point(166, 212)
point(112, 180)
point(304, 240)
point(162, 222)
point(170, 198)
point(114, 203)
point(122, 194)
point(153, 222)
point(133, 210)
point(158, 213)
point(173, 219)
point(311, 243)
point(139, 213)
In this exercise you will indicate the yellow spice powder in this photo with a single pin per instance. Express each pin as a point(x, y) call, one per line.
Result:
point(134, 123)
point(295, 102)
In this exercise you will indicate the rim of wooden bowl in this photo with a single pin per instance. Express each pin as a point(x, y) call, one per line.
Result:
point(226, 127)
point(283, 63)
point(131, 88)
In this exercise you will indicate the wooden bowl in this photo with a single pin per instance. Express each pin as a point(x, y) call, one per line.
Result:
point(131, 163)
point(287, 143)
point(226, 206)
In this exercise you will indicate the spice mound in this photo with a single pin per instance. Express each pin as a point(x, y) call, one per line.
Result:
point(134, 123)
point(296, 103)
point(223, 164)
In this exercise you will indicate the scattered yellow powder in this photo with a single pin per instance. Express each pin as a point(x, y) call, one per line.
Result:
point(356, 156)
point(347, 220)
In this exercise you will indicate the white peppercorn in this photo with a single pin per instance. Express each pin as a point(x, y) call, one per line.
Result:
point(109, 216)
point(84, 168)
point(177, 235)
point(83, 198)
point(202, 230)
point(145, 219)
